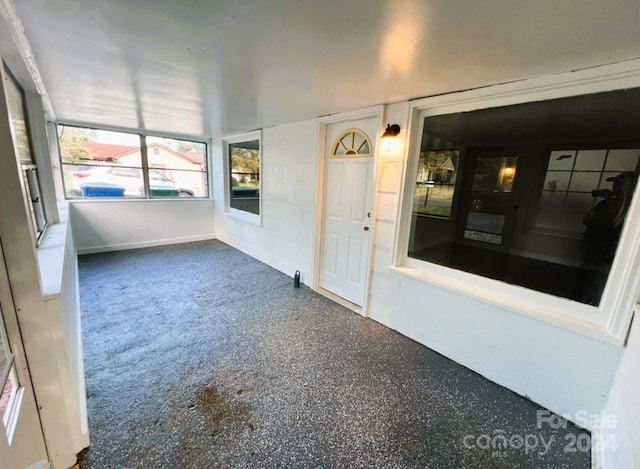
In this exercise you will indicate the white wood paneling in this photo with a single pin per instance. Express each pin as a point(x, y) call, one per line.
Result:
point(554, 366)
point(284, 240)
point(619, 430)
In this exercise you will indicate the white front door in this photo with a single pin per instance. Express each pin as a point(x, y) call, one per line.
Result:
point(350, 148)
point(21, 439)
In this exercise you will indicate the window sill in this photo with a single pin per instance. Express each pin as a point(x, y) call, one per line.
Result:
point(246, 217)
point(50, 254)
point(576, 317)
point(90, 200)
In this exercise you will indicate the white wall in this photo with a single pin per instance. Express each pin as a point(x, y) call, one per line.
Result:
point(108, 225)
point(557, 367)
point(623, 406)
point(562, 370)
point(285, 239)
point(59, 279)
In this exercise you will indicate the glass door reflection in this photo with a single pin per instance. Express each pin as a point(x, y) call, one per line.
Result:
point(490, 199)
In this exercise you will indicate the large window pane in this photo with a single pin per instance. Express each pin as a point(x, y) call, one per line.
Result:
point(100, 163)
point(538, 194)
point(177, 168)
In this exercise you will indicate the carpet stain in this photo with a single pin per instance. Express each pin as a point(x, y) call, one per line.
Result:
point(218, 413)
point(219, 407)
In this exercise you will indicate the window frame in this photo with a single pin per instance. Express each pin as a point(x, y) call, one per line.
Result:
point(144, 165)
point(610, 320)
point(37, 216)
point(229, 211)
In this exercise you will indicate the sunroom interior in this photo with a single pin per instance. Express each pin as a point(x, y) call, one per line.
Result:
point(498, 224)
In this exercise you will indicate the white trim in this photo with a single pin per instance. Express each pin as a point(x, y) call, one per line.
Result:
point(41, 155)
point(341, 301)
point(514, 298)
point(229, 211)
point(623, 285)
point(611, 319)
point(316, 242)
point(597, 450)
point(8, 12)
point(620, 75)
point(370, 112)
point(15, 405)
point(135, 131)
point(90, 200)
point(143, 244)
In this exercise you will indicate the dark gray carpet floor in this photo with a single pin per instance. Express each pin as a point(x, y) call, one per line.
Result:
point(200, 356)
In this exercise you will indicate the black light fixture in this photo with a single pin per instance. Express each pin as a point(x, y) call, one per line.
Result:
point(389, 141)
point(391, 131)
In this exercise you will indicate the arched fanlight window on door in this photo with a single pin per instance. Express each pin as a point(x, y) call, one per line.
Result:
point(351, 143)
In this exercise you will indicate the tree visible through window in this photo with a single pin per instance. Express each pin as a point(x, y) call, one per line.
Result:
point(435, 182)
point(244, 174)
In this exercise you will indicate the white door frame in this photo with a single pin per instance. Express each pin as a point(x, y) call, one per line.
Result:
point(26, 430)
point(318, 241)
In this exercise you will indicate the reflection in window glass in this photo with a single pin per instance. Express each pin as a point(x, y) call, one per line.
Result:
point(178, 168)
point(539, 192)
point(244, 164)
point(435, 182)
point(491, 188)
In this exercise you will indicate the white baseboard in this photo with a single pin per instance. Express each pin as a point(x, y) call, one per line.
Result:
point(143, 244)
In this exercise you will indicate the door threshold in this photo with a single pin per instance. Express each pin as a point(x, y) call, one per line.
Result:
point(341, 301)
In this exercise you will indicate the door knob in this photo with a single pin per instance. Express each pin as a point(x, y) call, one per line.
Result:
point(366, 228)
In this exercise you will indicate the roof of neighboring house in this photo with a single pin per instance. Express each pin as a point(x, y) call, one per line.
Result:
point(111, 152)
point(108, 151)
point(196, 158)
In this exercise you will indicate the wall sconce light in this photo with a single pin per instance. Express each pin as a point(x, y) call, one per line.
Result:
point(389, 140)
point(392, 130)
point(509, 172)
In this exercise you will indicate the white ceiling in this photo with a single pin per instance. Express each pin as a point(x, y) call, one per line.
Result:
point(214, 68)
